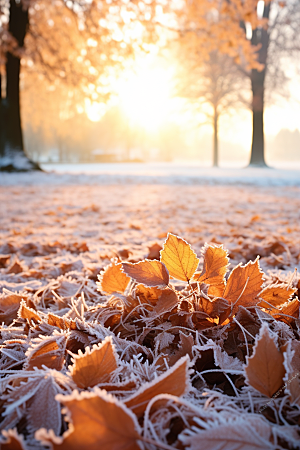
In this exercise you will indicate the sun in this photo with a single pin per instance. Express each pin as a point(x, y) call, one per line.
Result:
point(145, 96)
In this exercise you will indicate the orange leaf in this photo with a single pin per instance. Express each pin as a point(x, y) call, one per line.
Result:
point(48, 351)
point(147, 294)
point(244, 284)
point(28, 313)
point(94, 366)
point(9, 305)
point(175, 382)
point(215, 266)
point(99, 421)
point(276, 295)
point(179, 258)
point(61, 323)
point(13, 441)
point(287, 309)
point(265, 369)
point(151, 273)
point(113, 279)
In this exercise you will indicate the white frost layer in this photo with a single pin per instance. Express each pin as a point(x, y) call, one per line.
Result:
point(151, 173)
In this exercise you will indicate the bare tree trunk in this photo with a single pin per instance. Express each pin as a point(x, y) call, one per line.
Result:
point(216, 139)
point(258, 144)
point(12, 156)
point(260, 37)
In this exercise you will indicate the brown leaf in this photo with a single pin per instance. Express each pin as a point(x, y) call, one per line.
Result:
point(244, 284)
point(265, 369)
point(215, 266)
point(99, 421)
point(166, 302)
point(276, 295)
point(154, 251)
point(9, 305)
point(113, 279)
point(179, 258)
point(48, 351)
point(94, 366)
point(13, 441)
point(175, 382)
point(292, 367)
point(229, 433)
point(184, 348)
point(151, 273)
point(28, 313)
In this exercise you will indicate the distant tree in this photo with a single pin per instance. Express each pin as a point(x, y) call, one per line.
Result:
point(215, 45)
point(72, 40)
point(216, 82)
point(276, 40)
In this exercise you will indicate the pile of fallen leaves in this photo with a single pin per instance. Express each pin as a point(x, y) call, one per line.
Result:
point(162, 356)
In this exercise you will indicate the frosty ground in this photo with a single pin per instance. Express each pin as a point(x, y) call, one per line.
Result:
point(251, 212)
point(59, 230)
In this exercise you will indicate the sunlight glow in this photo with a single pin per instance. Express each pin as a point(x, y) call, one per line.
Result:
point(94, 110)
point(146, 97)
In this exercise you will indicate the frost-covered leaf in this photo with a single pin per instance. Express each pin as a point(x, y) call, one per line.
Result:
point(215, 266)
point(151, 273)
point(12, 441)
point(48, 351)
point(9, 305)
point(95, 365)
point(147, 294)
point(98, 421)
point(175, 382)
point(28, 313)
point(166, 302)
point(35, 400)
point(232, 433)
point(276, 295)
point(265, 369)
point(292, 368)
point(113, 279)
point(287, 311)
point(179, 258)
point(244, 285)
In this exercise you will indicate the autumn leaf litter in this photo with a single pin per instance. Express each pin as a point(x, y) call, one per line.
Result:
point(148, 317)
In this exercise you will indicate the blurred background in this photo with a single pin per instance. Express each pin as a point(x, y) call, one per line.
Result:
point(211, 81)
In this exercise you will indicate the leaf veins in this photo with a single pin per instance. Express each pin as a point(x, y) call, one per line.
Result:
point(179, 258)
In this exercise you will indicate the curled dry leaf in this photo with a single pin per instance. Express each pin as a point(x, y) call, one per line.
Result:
point(179, 258)
point(94, 366)
point(276, 295)
point(99, 421)
point(215, 266)
point(265, 369)
point(175, 382)
point(244, 285)
point(151, 273)
point(113, 279)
